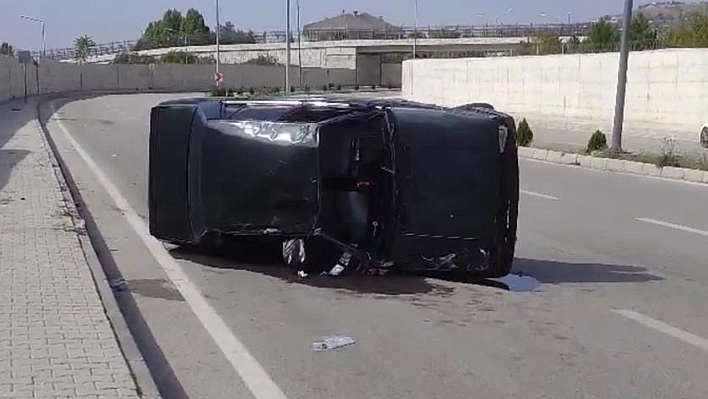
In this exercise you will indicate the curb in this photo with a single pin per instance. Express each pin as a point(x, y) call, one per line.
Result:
point(615, 165)
point(145, 384)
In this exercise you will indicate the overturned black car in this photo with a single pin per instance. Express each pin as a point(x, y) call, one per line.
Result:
point(386, 184)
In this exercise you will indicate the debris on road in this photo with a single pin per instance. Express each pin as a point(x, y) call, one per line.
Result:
point(336, 270)
point(119, 284)
point(332, 342)
point(294, 252)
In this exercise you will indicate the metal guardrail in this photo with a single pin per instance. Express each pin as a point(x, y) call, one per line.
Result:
point(315, 35)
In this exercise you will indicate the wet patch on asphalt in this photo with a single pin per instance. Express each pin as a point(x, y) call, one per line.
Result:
point(155, 288)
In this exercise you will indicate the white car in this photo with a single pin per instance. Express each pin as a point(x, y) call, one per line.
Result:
point(703, 137)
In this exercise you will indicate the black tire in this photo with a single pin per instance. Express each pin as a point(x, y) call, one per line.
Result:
point(704, 137)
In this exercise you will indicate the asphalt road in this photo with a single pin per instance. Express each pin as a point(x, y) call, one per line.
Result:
point(620, 312)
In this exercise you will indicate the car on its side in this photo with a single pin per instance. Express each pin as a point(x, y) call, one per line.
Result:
point(391, 184)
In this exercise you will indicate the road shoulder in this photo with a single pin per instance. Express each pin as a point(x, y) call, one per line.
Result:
point(59, 338)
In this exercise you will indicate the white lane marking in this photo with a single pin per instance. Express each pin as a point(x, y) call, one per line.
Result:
point(539, 195)
point(252, 373)
point(674, 226)
point(662, 327)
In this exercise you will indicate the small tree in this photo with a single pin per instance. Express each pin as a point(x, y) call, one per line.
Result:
point(603, 35)
point(83, 45)
point(597, 142)
point(524, 134)
point(6, 49)
point(179, 57)
point(642, 35)
point(263, 60)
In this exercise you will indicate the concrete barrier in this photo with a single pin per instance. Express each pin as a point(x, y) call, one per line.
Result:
point(65, 77)
point(666, 88)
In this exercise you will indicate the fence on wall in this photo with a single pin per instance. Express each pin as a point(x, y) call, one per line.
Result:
point(431, 32)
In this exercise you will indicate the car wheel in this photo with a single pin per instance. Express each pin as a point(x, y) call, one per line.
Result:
point(704, 137)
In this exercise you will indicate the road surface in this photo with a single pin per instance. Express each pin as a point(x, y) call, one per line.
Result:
point(620, 312)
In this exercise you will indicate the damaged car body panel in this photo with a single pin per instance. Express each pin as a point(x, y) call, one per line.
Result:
point(392, 183)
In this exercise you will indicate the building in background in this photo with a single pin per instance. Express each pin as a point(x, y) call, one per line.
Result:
point(354, 26)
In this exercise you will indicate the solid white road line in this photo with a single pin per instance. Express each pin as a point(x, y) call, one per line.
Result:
point(252, 373)
point(667, 329)
point(674, 226)
point(539, 195)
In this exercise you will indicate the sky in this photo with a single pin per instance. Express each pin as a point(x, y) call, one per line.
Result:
point(111, 20)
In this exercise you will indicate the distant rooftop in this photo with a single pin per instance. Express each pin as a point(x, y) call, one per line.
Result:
point(353, 21)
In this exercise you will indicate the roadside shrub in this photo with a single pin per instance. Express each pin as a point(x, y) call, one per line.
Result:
point(356, 87)
point(339, 87)
point(669, 153)
point(324, 87)
point(597, 142)
point(524, 134)
point(240, 91)
point(218, 92)
point(307, 89)
point(292, 89)
point(373, 87)
point(251, 91)
point(230, 93)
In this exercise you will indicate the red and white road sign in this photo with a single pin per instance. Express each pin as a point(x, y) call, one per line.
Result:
point(218, 78)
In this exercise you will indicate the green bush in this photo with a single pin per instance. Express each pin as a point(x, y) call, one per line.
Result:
point(251, 91)
point(230, 93)
point(240, 91)
point(218, 92)
point(373, 87)
point(292, 89)
point(324, 87)
point(356, 87)
point(524, 134)
point(339, 87)
point(597, 142)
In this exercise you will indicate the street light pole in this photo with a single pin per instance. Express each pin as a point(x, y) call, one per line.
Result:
point(287, 48)
point(218, 33)
point(622, 79)
point(415, 29)
point(44, 41)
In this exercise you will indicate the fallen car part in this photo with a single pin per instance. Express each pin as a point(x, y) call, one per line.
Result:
point(332, 342)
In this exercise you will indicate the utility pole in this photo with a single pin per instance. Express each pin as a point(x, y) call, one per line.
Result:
point(218, 33)
point(287, 48)
point(415, 28)
point(622, 79)
point(299, 46)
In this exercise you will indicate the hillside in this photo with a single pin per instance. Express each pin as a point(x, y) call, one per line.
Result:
point(664, 13)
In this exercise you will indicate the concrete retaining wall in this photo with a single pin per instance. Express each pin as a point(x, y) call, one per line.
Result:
point(62, 77)
point(391, 75)
point(665, 88)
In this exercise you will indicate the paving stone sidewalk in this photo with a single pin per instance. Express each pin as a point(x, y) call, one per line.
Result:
point(55, 338)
